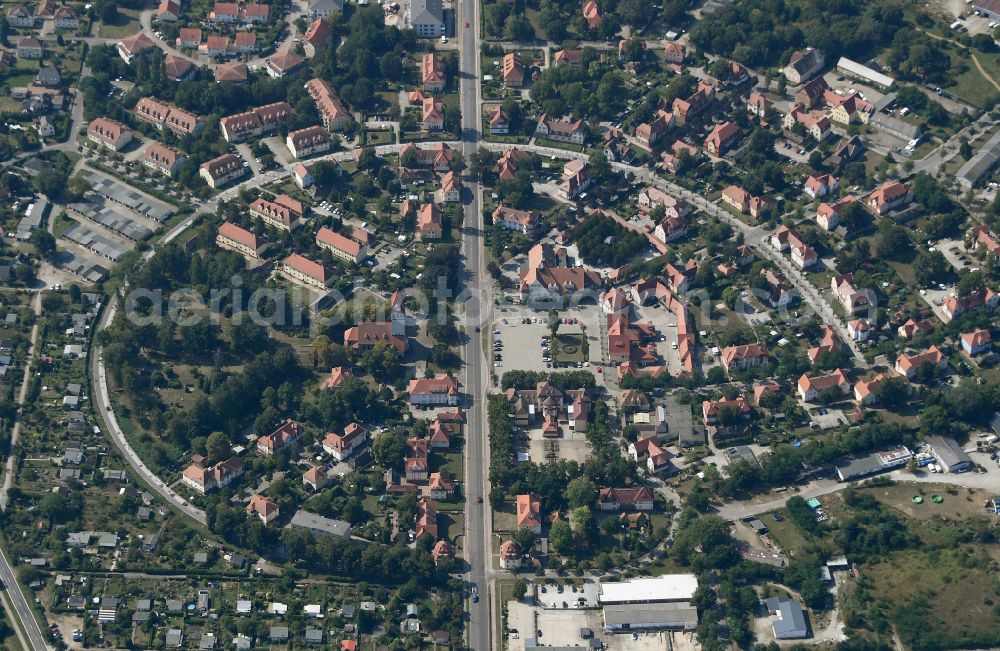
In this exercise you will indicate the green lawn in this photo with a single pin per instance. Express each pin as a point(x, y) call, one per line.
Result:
point(567, 347)
point(126, 24)
point(23, 78)
point(543, 142)
point(788, 537)
point(972, 87)
point(379, 137)
point(938, 599)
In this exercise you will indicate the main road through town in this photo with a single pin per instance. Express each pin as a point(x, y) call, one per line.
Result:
point(476, 315)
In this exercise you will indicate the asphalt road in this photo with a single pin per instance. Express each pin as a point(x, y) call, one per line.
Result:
point(36, 639)
point(477, 529)
point(15, 594)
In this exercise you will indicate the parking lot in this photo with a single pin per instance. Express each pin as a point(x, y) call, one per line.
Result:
point(827, 418)
point(521, 348)
point(563, 628)
point(666, 323)
point(935, 298)
point(567, 596)
point(956, 255)
point(521, 343)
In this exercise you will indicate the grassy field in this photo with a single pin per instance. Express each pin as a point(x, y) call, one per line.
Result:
point(126, 24)
point(971, 85)
point(568, 348)
point(785, 533)
point(938, 599)
point(568, 146)
point(379, 137)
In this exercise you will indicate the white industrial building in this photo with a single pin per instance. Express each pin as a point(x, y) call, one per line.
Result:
point(662, 602)
point(855, 69)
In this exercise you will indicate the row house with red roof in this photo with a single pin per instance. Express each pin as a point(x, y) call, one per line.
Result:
point(331, 109)
point(889, 196)
point(308, 141)
point(222, 170)
point(787, 239)
point(255, 122)
point(810, 387)
point(236, 238)
point(164, 115)
point(908, 365)
point(957, 305)
point(436, 391)
point(162, 158)
point(286, 435)
point(229, 13)
point(743, 357)
point(345, 248)
point(109, 133)
point(205, 478)
point(625, 499)
point(284, 213)
point(301, 270)
point(342, 446)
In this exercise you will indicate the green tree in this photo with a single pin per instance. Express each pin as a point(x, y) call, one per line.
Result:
point(381, 361)
point(891, 239)
point(929, 267)
point(43, 241)
point(218, 447)
point(581, 491)
point(584, 526)
point(561, 537)
point(389, 449)
point(525, 539)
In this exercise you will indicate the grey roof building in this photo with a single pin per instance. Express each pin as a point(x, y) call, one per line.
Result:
point(321, 8)
point(49, 77)
point(949, 453)
point(850, 468)
point(791, 621)
point(318, 525)
point(981, 164)
point(633, 617)
point(175, 638)
point(895, 127)
point(427, 18)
